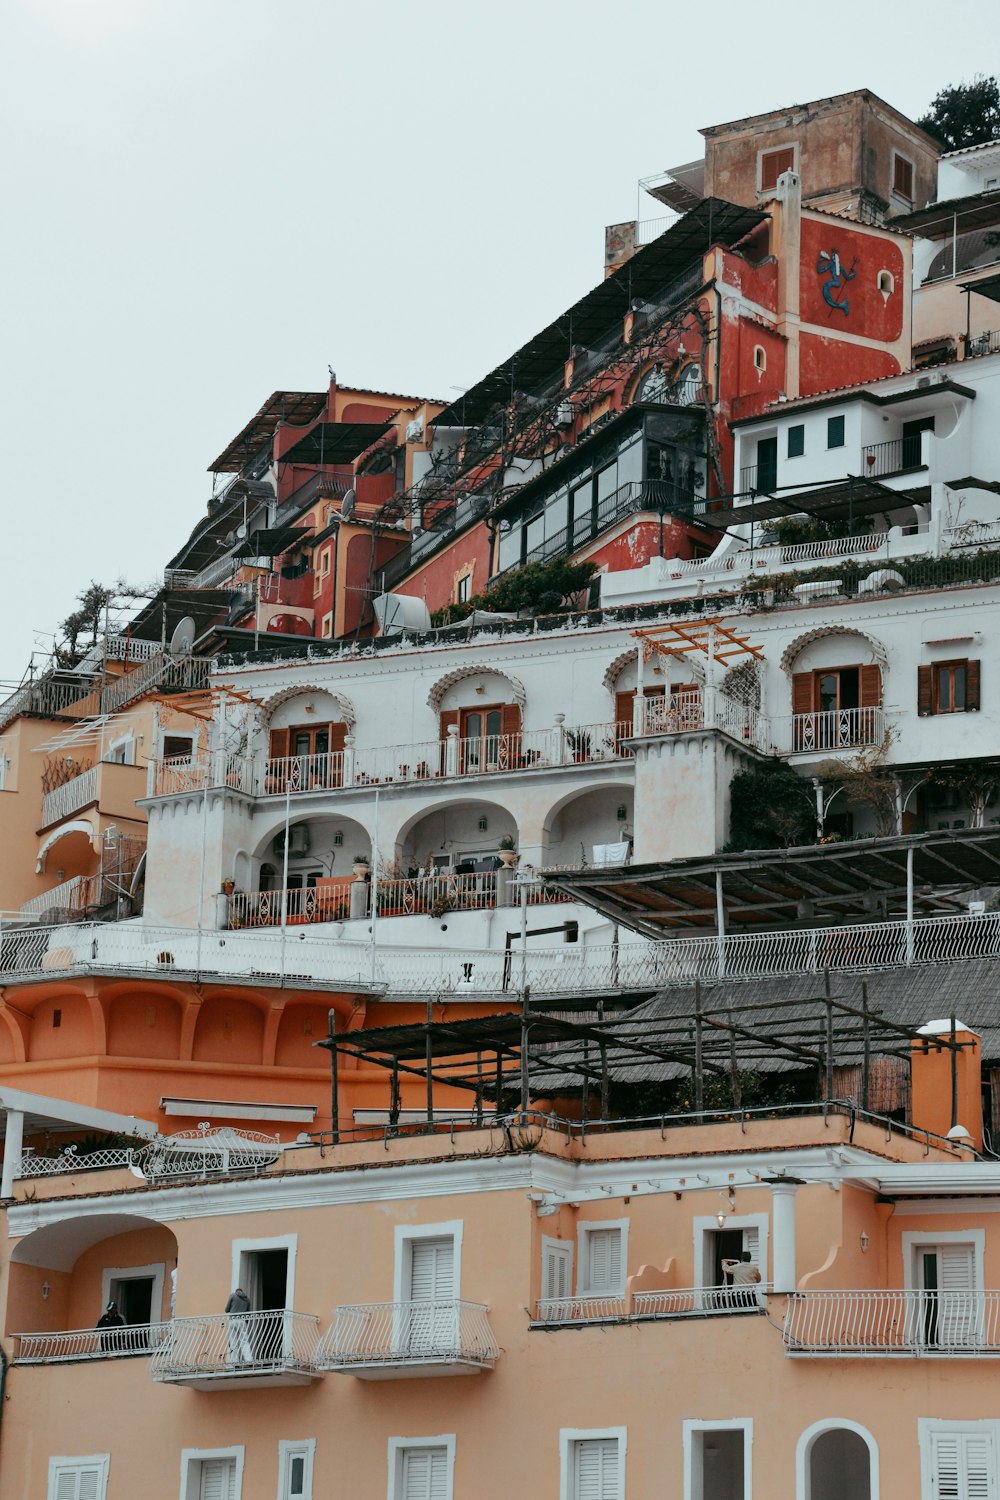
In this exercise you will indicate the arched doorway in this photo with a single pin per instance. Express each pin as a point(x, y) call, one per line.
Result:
point(837, 1460)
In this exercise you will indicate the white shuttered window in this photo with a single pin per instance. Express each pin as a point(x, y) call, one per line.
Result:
point(78, 1478)
point(603, 1269)
point(425, 1474)
point(217, 1480)
point(596, 1469)
point(963, 1466)
point(557, 1269)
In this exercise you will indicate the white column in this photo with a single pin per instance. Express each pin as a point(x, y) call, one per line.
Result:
point(559, 741)
point(451, 751)
point(639, 704)
point(348, 760)
point(13, 1150)
point(783, 1235)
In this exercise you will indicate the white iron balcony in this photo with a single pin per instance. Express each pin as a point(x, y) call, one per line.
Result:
point(668, 1303)
point(72, 1344)
point(389, 1340)
point(235, 1350)
point(901, 1324)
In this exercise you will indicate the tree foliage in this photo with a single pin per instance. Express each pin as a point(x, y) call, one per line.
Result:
point(92, 602)
point(770, 808)
point(541, 588)
point(964, 114)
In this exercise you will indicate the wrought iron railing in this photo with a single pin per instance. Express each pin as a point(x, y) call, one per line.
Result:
point(250, 1343)
point(585, 968)
point(44, 697)
point(911, 1322)
point(430, 1332)
point(90, 1343)
point(838, 729)
point(305, 773)
point(879, 459)
point(585, 1309)
point(684, 1302)
point(326, 903)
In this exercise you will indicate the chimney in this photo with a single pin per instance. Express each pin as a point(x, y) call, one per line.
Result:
point(946, 1085)
point(619, 245)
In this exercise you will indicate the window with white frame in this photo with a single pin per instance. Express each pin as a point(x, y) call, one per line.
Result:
point(958, 1460)
point(422, 1468)
point(717, 1459)
point(836, 1459)
point(592, 1464)
point(79, 1478)
point(602, 1258)
point(212, 1474)
point(295, 1469)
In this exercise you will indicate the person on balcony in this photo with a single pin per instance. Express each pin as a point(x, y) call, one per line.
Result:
point(109, 1320)
point(237, 1332)
point(743, 1277)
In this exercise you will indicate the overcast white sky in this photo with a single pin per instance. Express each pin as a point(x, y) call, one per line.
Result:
point(208, 200)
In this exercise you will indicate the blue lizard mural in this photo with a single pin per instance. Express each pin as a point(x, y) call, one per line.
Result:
point(829, 262)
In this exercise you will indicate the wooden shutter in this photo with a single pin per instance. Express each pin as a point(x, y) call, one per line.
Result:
point(218, 1479)
point(925, 691)
point(79, 1482)
point(432, 1269)
point(596, 1469)
point(604, 1262)
point(279, 744)
point(871, 687)
point(557, 1269)
point(971, 685)
point(510, 732)
point(623, 708)
point(751, 1242)
point(424, 1474)
point(338, 734)
point(89, 1487)
point(962, 1466)
point(802, 692)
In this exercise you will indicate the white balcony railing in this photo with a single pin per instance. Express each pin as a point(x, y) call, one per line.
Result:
point(837, 729)
point(584, 1309)
point(417, 1334)
point(90, 1343)
point(304, 773)
point(684, 1302)
point(70, 797)
point(326, 903)
point(72, 895)
point(238, 1344)
point(900, 1323)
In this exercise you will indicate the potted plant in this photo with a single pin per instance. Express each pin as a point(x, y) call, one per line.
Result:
point(362, 866)
point(579, 742)
point(228, 886)
point(507, 851)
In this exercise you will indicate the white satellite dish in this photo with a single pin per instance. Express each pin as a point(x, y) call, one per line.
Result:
point(182, 640)
point(242, 531)
point(398, 612)
point(347, 505)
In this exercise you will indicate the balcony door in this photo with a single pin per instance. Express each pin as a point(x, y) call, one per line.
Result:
point(264, 1278)
point(431, 1311)
point(835, 708)
point(949, 1310)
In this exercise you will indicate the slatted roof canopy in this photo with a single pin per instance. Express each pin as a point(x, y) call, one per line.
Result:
point(708, 636)
point(771, 888)
point(938, 220)
point(842, 499)
point(334, 442)
point(712, 222)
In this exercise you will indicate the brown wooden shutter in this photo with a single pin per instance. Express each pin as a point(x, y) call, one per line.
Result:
point(971, 685)
point(279, 744)
point(655, 692)
point(338, 734)
point(925, 691)
point(802, 692)
point(871, 687)
point(623, 707)
point(510, 730)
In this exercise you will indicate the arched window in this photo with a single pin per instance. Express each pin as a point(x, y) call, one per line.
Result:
point(837, 1460)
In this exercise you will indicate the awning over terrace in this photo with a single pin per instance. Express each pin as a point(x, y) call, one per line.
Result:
point(762, 889)
point(33, 1114)
point(843, 500)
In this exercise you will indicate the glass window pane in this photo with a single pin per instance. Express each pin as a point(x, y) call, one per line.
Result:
point(296, 1478)
point(607, 482)
point(555, 513)
point(630, 462)
point(510, 547)
point(829, 685)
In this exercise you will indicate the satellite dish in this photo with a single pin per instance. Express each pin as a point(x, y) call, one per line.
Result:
point(399, 612)
point(347, 505)
point(242, 531)
point(182, 640)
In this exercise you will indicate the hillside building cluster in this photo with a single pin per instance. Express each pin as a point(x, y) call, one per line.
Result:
point(521, 901)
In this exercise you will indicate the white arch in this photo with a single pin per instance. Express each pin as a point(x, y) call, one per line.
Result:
point(832, 1424)
point(800, 642)
point(80, 826)
point(627, 658)
point(442, 685)
point(282, 695)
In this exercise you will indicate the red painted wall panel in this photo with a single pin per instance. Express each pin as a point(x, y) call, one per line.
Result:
point(860, 307)
point(826, 364)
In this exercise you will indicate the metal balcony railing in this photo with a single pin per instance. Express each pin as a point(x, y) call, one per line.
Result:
point(685, 1302)
point(838, 729)
point(892, 457)
point(90, 1343)
point(252, 1343)
point(305, 773)
point(70, 797)
point(901, 1323)
point(426, 1333)
point(326, 903)
point(585, 1309)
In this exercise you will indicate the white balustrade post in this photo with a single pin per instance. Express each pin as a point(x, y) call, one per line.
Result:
point(218, 766)
point(13, 1149)
point(783, 1235)
point(710, 707)
point(559, 741)
point(451, 751)
point(639, 702)
point(348, 760)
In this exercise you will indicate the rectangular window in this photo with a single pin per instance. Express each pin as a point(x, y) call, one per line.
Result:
point(79, 1478)
point(835, 432)
point(422, 1468)
point(958, 1459)
point(602, 1258)
point(902, 177)
point(326, 628)
point(796, 441)
point(717, 1459)
point(948, 687)
point(592, 1464)
point(773, 163)
point(177, 747)
point(211, 1474)
point(462, 590)
point(295, 1470)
